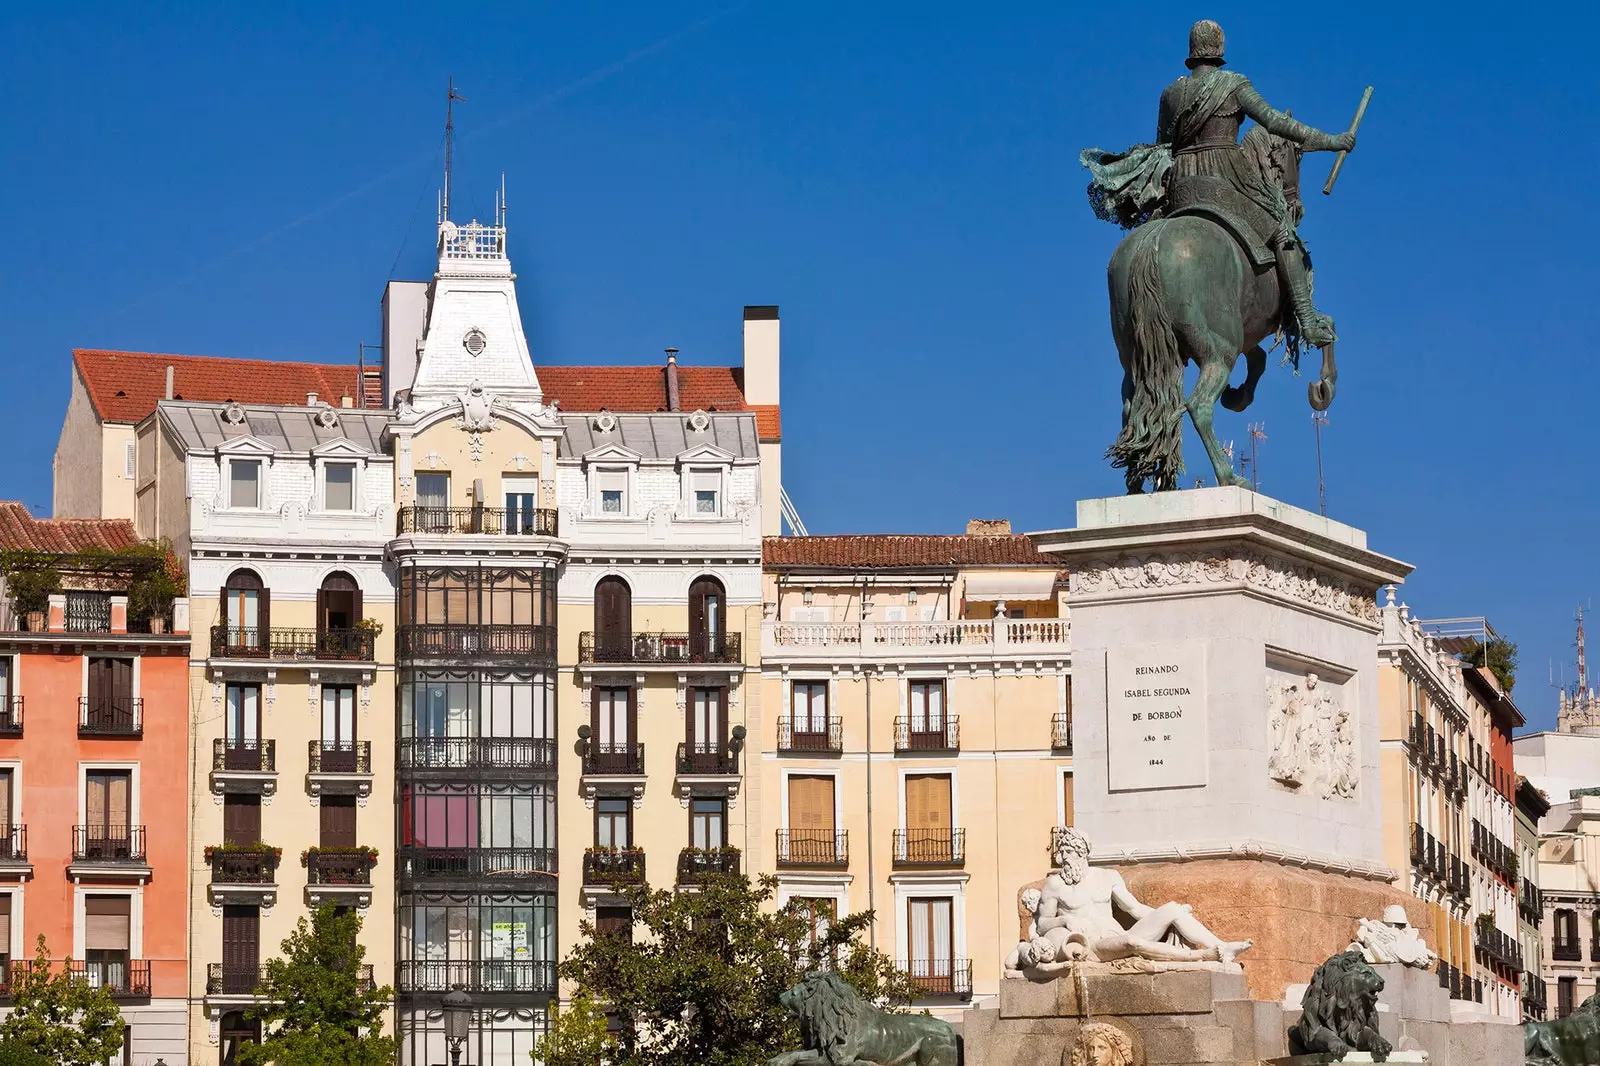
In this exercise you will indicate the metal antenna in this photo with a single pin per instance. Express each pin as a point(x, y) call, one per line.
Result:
point(1258, 433)
point(1318, 420)
point(1583, 667)
point(449, 145)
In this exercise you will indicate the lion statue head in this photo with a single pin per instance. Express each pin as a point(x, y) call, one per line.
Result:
point(1339, 1012)
point(827, 1007)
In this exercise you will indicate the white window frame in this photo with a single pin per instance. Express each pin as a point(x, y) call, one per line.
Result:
point(358, 470)
point(265, 465)
point(803, 771)
point(83, 674)
point(689, 476)
point(135, 814)
point(602, 479)
point(129, 459)
point(80, 937)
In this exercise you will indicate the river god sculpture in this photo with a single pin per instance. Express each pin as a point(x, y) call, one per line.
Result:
point(1393, 940)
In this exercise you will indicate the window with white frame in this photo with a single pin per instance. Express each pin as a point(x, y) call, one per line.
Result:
point(244, 482)
point(611, 492)
point(339, 486)
point(705, 487)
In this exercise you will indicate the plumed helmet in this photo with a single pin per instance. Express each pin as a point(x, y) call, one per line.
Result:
point(1205, 43)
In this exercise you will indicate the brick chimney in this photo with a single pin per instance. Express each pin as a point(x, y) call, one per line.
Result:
point(988, 527)
point(672, 380)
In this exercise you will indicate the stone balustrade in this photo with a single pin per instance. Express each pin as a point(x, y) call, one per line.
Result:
point(941, 641)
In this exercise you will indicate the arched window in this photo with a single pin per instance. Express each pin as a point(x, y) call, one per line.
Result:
point(338, 603)
point(613, 621)
point(245, 612)
point(708, 623)
point(235, 1031)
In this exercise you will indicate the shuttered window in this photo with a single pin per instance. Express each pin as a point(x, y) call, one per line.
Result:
point(613, 620)
point(241, 949)
point(106, 801)
point(1067, 800)
point(928, 801)
point(241, 819)
point(5, 926)
point(107, 923)
point(811, 804)
point(338, 822)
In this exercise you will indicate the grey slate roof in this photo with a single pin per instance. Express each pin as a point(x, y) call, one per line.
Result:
point(663, 435)
point(200, 426)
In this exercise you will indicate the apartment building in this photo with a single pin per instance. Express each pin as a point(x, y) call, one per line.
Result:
point(915, 740)
point(94, 738)
point(99, 467)
point(1532, 806)
point(289, 510)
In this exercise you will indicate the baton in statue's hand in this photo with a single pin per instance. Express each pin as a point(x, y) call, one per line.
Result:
point(1338, 163)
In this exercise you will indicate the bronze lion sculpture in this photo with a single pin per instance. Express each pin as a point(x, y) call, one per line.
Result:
point(1570, 1041)
point(1339, 1013)
point(839, 1028)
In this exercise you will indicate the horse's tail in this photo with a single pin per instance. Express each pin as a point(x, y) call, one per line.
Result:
point(1151, 442)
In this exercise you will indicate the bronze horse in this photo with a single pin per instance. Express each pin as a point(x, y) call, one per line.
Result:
point(1183, 290)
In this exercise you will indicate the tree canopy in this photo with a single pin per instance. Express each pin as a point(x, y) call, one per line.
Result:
point(698, 983)
point(64, 1019)
point(1499, 655)
point(318, 1008)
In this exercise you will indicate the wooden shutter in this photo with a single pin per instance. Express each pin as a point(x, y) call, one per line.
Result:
point(264, 617)
point(241, 819)
point(613, 622)
point(5, 823)
point(222, 611)
point(106, 923)
point(5, 925)
point(241, 941)
point(928, 801)
point(322, 610)
point(811, 803)
point(118, 808)
point(122, 680)
point(1067, 800)
point(338, 822)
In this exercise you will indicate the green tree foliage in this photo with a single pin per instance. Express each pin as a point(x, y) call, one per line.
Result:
point(62, 1018)
point(15, 1053)
point(317, 1011)
point(698, 985)
point(1499, 655)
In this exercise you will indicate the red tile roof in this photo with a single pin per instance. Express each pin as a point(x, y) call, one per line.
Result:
point(769, 426)
point(898, 551)
point(124, 386)
point(640, 388)
point(20, 530)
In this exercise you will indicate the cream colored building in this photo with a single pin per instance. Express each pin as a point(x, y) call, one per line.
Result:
point(291, 694)
point(914, 740)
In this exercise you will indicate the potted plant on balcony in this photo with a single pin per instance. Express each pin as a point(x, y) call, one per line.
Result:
point(30, 581)
point(151, 593)
point(336, 871)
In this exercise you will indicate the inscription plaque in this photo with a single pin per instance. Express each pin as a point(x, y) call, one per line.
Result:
point(1156, 716)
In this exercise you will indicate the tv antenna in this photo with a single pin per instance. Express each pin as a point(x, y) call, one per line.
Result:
point(1318, 420)
point(449, 145)
point(1258, 433)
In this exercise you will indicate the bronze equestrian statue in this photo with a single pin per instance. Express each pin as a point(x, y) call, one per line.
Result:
point(1213, 266)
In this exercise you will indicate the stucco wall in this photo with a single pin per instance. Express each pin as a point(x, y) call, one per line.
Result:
point(77, 462)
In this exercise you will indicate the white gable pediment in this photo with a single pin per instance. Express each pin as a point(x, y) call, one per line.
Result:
point(705, 453)
point(612, 453)
point(245, 445)
point(343, 448)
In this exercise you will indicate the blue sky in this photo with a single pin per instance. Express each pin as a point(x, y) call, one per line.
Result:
point(902, 179)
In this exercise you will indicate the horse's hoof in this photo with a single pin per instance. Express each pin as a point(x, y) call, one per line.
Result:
point(1320, 394)
point(1236, 399)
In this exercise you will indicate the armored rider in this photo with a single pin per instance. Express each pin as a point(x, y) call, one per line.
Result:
point(1200, 118)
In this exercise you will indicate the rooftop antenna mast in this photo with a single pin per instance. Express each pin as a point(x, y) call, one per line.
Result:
point(1583, 666)
point(1258, 433)
point(449, 145)
point(1318, 420)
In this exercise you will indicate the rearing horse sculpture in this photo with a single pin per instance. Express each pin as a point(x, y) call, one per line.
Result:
point(1184, 290)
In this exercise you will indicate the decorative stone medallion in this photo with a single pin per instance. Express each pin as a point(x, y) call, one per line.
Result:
point(474, 342)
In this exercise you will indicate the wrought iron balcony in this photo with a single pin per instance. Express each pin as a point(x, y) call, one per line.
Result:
point(340, 866)
point(474, 864)
point(475, 753)
point(339, 756)
point(225, 979)
point(110, 716)
point(108, 843)
point(802, 734)
point(243, 865)
point(244, 756)
point(708, 759)
point(1061, 733)
point(10, 716)
point(813, 847)
point(612, 760)
point(927, 734)
point(444, 640)
point(613, 866)
point(660, 648)
point(125, 978)
point(494, 521)
point(942, 978)
point(477, 976)
point(930, 847)
point(13, 844)
point(1567, 951)
point(696, 864)
point(309, 645)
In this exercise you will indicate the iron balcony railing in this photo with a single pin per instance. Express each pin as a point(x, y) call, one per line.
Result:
point(226, 979)
point(10, 716)
point(340, 866)
point(706, 758)
point(110, 716)
point(469, 753)
point(927, 734)
point(476, 975)
point(696, 864)
point(660, 648)
point(231, 866)
point(614, 759)
point(339, 756)
point(613, 866)
point(1567, 950)
point(813, 847)
point(245, 756)
point(124, 978)
point(1061, 733)
point(811, 734)
point(449, 640)
point(449, 521)
point(13, 843)
point(108, 843)
point(88, 612)
point(311, 645)
point(942, 978)
point(930, 847)
point(474, 864)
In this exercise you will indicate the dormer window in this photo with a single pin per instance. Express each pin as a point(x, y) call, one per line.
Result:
point(244, 483)
point(707, 487)
point(612, 489)
point(339, 486)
